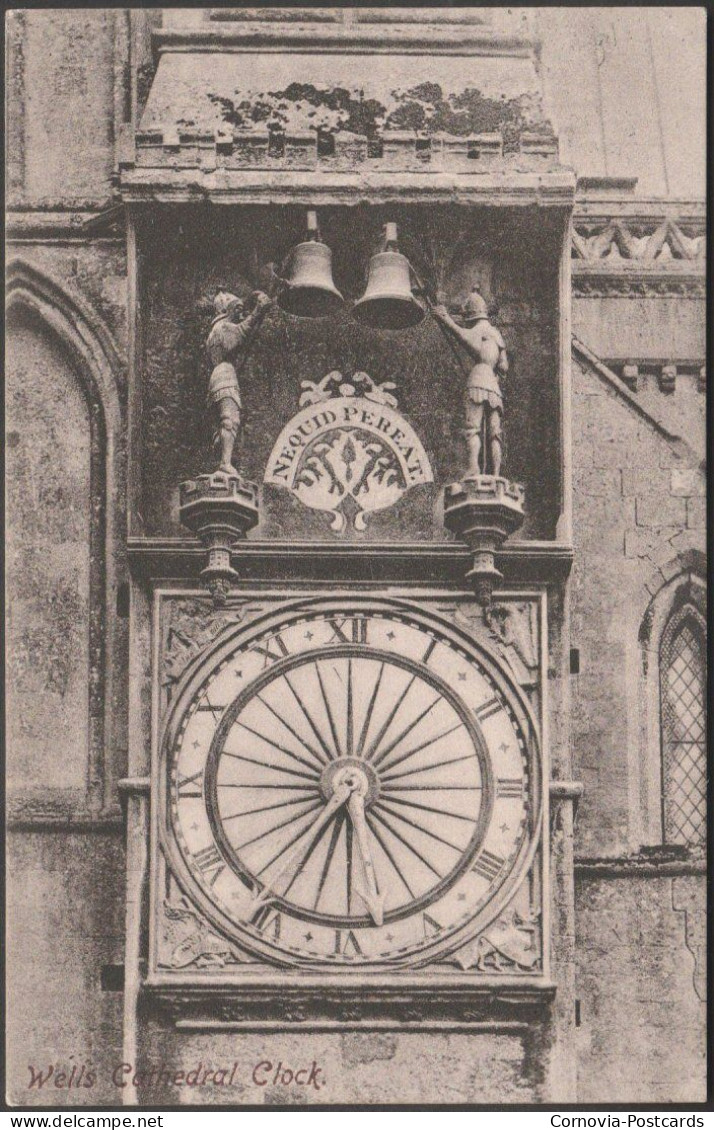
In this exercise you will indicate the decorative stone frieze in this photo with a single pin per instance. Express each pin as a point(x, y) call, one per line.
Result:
point(647, 241)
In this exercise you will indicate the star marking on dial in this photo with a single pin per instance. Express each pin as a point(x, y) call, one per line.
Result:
point(353, 815)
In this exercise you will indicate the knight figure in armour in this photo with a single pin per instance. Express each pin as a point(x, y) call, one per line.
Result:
point(232, 332)
point(483, 401)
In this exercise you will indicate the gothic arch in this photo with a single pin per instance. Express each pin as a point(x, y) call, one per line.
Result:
point(684, 593)
point(98, 367)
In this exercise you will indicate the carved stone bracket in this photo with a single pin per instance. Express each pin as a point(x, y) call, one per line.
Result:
point(219, 508)
point(483, 511)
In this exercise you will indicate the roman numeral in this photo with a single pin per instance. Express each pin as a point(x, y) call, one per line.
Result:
point(431, 926)
point(487, 708)
point(213, 707)
point(269, 922)
point(427, 654)
point(357, 630)
point(509, 787)
point(488, 865)
point(349, 943)
point(209, 862)
point(184, 789)
point(267, 650)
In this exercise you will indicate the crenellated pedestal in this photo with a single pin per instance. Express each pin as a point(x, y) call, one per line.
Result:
point(219, 508)
point(483, 512)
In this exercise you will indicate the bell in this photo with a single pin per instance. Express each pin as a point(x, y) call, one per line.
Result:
point(388, 302)
point(309, 291)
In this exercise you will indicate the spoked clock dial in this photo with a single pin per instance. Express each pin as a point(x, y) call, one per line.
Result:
point(350, 786)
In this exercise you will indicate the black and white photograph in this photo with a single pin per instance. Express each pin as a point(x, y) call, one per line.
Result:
point(356, 575)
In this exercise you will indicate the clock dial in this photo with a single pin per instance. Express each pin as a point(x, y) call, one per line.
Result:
point(349, 787)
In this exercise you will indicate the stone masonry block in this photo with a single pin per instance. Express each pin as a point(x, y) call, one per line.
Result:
point(685, 482)
point(643, 542)
point(605, 481)
point(696, 513)
point(661, 510)
point(645, 480)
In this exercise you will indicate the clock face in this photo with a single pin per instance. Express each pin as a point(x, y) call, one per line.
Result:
point(349, 786)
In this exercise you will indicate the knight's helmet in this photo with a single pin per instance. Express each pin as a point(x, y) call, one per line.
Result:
point(226, 303)
point(475, 308)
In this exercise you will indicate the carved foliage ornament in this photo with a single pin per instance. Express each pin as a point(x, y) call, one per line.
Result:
point(348, 451)
point(615, 240)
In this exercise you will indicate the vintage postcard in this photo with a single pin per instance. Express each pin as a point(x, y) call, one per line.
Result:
point(356, 565)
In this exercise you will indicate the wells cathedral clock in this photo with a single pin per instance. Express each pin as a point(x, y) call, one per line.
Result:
point(349, 784)
point(349, 768)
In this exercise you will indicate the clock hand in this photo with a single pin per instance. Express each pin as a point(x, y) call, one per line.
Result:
point(370, 896)
point(268, 892)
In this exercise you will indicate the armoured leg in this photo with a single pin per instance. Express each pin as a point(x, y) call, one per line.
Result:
point(227, 434)
point(474, 423)
point(495, 432)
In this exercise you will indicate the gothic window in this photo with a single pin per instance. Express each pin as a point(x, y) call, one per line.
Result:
point(683, 727)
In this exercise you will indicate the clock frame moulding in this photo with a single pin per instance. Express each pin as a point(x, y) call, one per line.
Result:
point(233, 989)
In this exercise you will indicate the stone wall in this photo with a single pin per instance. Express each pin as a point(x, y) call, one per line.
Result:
point(641, 950)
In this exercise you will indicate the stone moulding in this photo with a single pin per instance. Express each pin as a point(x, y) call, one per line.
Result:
point(464, 1003)
point(507, 187)
point(656, 284)
point(442, 38)
point(99, 368)
point(179, 558)
point(650, 240)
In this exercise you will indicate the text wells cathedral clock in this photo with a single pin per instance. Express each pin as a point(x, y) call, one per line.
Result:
point(348, 784)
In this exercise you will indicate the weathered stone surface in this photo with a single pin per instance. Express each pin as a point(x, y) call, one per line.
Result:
point(366, 1047)
point(657, 510)
point(696, 513)
point(49, 456)
point(634, 948)
point(65, 920)
point(68, 74)
point(628, 544)
point(413, 1067)
point(685, 483)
